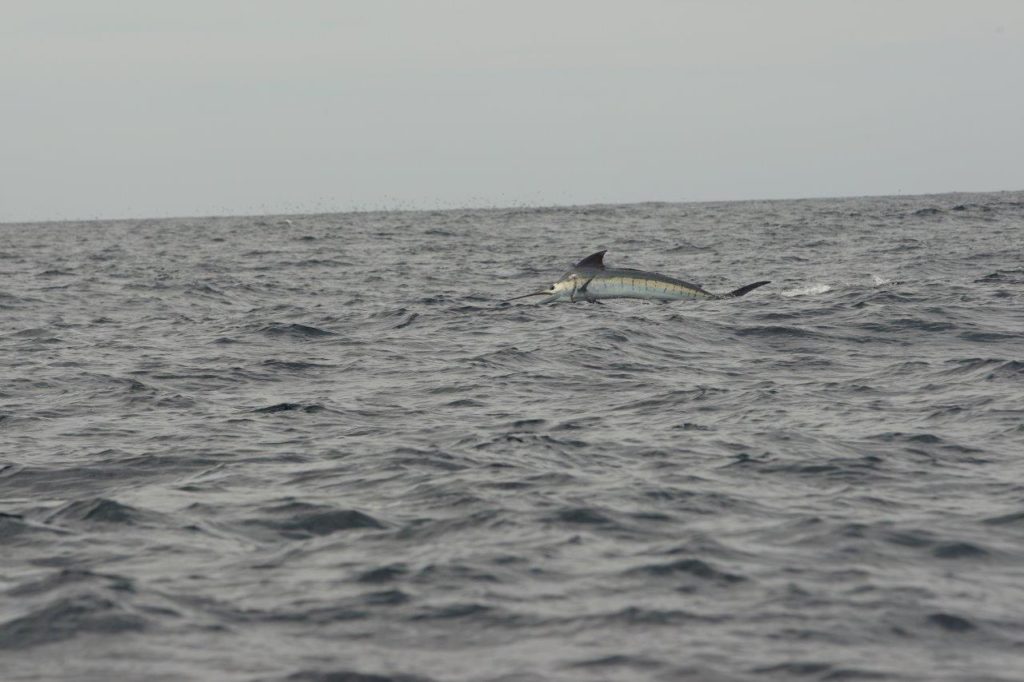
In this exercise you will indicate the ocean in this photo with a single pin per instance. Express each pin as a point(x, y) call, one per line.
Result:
point(320, 448)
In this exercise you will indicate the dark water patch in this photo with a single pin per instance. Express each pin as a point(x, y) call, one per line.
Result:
point(687, 247)
point(407, 321)
point(959, 550)
point(950, 622)
point(618, 661)
point(914, 538)
point(290, 407)
point(1002, 277)
point(464, 402)
point(454, 573)
point(528, 424)
point(437, 300)
point(324, 615)
point(406, 458)
point(203, 289)
point(777, 332)
point(840, 674)
point(391, 314)
point(686, 567)
point(295, 365)
point(16, 529)
point(794, 669)
point(907, 325)
point(99, 511)
point(351, 676)
point(528, 439)
point(1011, 369)
point(690, 426)
point(582, 515)
point(689, 501)
point(675, 398)
point(860, 470)
point(818, 670)
point(301, 520)
point(12, 525)
point(383, 574)
point(506, 357)
point(924, 443)
point(633, 616)
point(72, 577)
point(980, 366)
point(294, 330)
point(37, 334)
point(385, 598)
point(1015, 518)
point(327, 522)
point(126, 384)
point(429, 528)
point(99, 476)
point(317, 263)
point(990, 337)
point(467, 611)
point(68, 617)
point(531, 482)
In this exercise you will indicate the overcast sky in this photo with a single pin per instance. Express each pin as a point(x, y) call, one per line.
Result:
point(196, 107)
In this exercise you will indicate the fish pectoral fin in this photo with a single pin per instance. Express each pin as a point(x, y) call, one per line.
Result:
point(581, 290)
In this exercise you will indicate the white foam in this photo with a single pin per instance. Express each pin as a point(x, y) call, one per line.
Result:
point(809, 290)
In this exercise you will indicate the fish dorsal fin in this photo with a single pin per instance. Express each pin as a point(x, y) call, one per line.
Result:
point(594, 260)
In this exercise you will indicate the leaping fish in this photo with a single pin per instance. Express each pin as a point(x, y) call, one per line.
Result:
point(590, 280)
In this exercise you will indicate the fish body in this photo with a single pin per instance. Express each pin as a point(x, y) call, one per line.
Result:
point(590, 280)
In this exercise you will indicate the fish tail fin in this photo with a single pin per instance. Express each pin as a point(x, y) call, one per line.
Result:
point(747, 289)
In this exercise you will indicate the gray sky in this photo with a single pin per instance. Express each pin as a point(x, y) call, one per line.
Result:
point(196, 107)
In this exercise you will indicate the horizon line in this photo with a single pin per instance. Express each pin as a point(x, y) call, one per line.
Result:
point(507, 207)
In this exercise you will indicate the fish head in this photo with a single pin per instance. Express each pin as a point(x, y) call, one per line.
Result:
point(569, 284)
point(562, 290)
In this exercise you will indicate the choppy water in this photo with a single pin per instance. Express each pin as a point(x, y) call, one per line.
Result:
point(319, 449)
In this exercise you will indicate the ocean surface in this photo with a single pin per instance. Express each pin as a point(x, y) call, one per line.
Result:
point(321, 449)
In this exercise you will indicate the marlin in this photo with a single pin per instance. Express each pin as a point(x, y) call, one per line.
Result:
point(590, 280)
